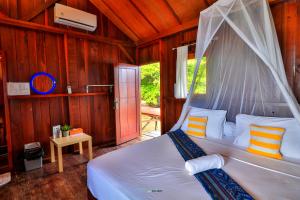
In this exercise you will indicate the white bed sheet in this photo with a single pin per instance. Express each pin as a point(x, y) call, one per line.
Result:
point(131, 173)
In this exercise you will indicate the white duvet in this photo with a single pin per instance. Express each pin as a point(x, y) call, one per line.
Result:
point(154, 169)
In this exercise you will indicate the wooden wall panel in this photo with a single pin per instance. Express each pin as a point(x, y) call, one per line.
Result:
point(53, 60)
point(9, 8)
point(29, 52)
point(286, 16)
point(8, 34)
point(297, 71)
point(149, 54)
point(88, 62)
point(91, 63)
point(20, 9)
point(26, 7)
point(287, 19)
point(172, 106)
point(124, 59)
point(76, 64)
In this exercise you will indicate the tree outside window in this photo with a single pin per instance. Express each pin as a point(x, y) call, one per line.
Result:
point(150, 84)
point(150, 81)
point(200, 87)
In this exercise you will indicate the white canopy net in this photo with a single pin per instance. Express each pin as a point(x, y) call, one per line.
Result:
point(245, 72)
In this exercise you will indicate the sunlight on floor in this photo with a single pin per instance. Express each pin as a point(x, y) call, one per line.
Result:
point(150, 128)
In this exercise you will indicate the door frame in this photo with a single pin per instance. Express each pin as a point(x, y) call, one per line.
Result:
point(161, 61)
point(116, 101)
point(160, 94)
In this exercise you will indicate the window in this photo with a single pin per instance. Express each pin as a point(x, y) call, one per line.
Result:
point(200, 87)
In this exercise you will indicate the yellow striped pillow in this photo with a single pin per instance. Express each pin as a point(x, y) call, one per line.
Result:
point(266, 141)
point(197, 126)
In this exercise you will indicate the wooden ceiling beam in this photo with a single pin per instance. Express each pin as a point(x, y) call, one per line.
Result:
point(108, 12)
point(211, 2)
point(185, 26)
point(144, 16)
point(50, 29)
point(206, 3)
point(39, 10)
point(120, 18)
point(173, 11)
point(121, 47)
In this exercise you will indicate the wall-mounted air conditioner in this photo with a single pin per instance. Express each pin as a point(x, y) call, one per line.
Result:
point(74, 17)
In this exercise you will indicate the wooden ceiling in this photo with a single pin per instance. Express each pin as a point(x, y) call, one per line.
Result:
point(145, 20)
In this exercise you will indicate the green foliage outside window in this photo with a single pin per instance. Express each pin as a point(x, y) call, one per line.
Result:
point(150, 81)
point(150, 84)
point(200, 87)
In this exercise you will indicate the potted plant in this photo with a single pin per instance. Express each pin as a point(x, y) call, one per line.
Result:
point(66, 130)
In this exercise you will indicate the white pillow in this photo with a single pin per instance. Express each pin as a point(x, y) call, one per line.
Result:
point(215, 123)
point(243, 140)
point(291, 139)
point(229, 129)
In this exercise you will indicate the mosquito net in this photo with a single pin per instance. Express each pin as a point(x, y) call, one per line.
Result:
point(244, 69)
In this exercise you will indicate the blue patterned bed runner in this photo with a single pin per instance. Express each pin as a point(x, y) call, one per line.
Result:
point(216, 182)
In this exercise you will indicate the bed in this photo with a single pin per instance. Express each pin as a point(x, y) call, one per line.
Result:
point(154, 169)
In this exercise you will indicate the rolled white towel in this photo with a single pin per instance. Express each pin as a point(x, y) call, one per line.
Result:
point(204, 163)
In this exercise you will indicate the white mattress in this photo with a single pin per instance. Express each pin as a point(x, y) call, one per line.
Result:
point(154, 169)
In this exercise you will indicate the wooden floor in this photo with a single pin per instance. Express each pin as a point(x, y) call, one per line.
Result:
point(47, 183)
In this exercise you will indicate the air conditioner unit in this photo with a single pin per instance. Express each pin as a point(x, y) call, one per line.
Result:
point(73, 17)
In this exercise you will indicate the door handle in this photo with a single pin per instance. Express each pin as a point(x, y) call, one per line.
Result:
point(116, 103)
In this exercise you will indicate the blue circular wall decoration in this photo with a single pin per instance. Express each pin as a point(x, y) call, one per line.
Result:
point(42, 74)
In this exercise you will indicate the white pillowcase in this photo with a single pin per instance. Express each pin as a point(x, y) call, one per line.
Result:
point(229, 129)
point(290, 146)
point(215, 123)
point(243, 140)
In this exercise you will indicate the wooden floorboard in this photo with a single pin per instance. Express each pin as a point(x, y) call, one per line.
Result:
point(47, 183)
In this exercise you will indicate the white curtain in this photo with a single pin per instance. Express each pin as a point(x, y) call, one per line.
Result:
point(245, 71)
point(181, 79)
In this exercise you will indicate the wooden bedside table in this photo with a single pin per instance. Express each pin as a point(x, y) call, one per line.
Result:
point(66, 141)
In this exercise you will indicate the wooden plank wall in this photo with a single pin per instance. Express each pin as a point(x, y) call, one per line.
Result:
point(89, 62)
point(286, 16)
